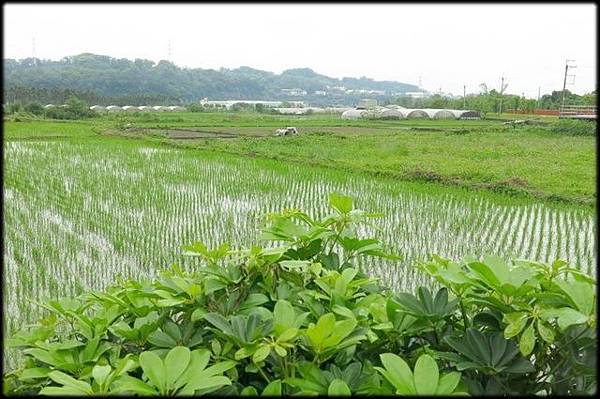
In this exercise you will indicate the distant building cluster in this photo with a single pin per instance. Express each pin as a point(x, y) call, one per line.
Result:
point(311, 110)
point(227, 104)
point(294, 92)
point(297, 92)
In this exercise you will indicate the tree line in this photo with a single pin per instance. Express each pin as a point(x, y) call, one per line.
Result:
point(493, 101)
point(108, 77)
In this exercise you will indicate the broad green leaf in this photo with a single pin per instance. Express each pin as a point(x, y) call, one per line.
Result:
point(341, 203)
point(321, 330)
point(305, 385)
point(448, 383)
point(516, 323)
point(565, 317)
point(207, 383)
point(249, 391)
point(254, 300)
point(34, 373)
point(219, 322)
point(62, 391)
point(261, 354)
point(527, 341)
point(349, 274)
point(426, 375)
point(175, 363)
point(198, 314)
point(280, 351)
point(398, 373)
point(283, 313)
point(338, 388)
point(243, 353)
point(100, 373)
point(288, 335)
point(154, 369)
point(161, 339)
point(343, 311)
point(70, 382)
point(341, 330)
point(485, 273)
point(582, 293)
point(273, 389)
point(545, 332)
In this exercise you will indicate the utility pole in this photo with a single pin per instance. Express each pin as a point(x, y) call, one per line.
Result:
point(464, 96)
point(502, 87)
point(537, 105)
point(567, 66)
point(33, 49)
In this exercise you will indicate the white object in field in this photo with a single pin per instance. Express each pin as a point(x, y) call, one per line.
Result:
point(114, 108)
point(97, 108)
point(286, 131)
point(130, 108)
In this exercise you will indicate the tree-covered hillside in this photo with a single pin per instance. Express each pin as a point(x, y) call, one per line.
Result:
point(109, 77)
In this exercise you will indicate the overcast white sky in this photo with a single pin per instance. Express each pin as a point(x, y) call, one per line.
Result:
point(447, 45)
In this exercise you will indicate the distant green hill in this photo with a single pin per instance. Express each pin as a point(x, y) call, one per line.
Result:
point(104, 77)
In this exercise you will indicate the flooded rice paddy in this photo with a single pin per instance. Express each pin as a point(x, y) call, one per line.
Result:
point(78, 214)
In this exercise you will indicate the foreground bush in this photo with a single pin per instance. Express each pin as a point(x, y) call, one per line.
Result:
point(298, 318)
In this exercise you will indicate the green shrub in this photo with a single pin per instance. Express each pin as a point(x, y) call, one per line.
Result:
point(299, 318)
point(574, 127)
point(34, 108)
point(73, 109)
point(13, 108)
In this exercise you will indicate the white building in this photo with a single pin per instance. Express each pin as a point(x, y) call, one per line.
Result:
point(367, 103)
point(294, 92)
point(417, 94)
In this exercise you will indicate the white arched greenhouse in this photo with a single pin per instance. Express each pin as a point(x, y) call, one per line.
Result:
point(391, 113)
point(175, 108)
point(114, 108)
point(354, 114)
point(444, 114)
point(416, 114)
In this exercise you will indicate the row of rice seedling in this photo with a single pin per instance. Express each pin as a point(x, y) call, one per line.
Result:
point(78, 214)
